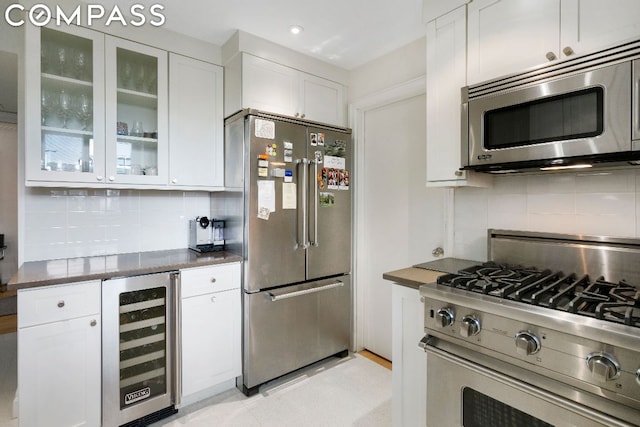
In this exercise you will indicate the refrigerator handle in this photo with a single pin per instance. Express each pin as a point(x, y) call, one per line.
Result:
point(314, 241)
point(336, 284)
point(303, 232)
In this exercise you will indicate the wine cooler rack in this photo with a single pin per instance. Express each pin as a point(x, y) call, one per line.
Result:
point(143, 344)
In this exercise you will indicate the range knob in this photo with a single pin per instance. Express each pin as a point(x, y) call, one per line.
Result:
point(603, 366)
point(527, 343)
point(469, 326)
point(445, 317)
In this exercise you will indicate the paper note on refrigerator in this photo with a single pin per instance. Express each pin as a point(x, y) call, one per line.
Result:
point(288, 195)
point(334, 162)
point(267, 195)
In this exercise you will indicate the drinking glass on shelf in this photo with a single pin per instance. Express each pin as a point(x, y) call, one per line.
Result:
point(137, 129)
point(140, 76)
point(45, 106)
point(80, 64)
point(64, 109)
point(126, 73)
point(45, 53)
point(84, 110)
point(152, 81)
point(62, 58)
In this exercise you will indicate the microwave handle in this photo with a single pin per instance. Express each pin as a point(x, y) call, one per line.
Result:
point(464, 128)
point(635, 108)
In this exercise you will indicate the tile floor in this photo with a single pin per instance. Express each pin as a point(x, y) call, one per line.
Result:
point(353, 391)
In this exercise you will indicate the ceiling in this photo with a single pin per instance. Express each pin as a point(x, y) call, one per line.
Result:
point(346, 33)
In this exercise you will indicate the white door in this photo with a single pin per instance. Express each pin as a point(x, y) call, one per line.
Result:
point(403, 219)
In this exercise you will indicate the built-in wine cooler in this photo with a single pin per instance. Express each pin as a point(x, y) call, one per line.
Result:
point(137, 343)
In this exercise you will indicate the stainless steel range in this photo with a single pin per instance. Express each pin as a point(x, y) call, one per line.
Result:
point(545, 334)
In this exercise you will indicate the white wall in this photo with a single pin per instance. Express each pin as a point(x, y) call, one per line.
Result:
point(8, 199)
point(63, 223)
point(594, 203)
point(399, 66)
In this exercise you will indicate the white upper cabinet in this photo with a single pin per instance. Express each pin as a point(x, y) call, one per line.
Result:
point(446, 66)
point(321, 100)
point(64, 93)
point(195, 123)
point(137, 134)
point(588, 25)
point(269, 86)
point(97, 114)
point(276, 88)
point(508, 36)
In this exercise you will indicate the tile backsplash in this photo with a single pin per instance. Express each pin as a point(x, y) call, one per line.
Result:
point(594, 203)
point(63, 223)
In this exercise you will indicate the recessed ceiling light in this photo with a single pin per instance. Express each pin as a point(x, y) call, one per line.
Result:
point(296, 29)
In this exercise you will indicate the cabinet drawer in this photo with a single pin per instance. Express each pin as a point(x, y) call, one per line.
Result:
point(204, 280)
point(55, 303)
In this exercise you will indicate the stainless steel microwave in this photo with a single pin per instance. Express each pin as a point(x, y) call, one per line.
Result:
point(579, 113)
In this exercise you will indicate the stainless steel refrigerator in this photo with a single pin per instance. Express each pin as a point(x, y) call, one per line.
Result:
point(291, 219)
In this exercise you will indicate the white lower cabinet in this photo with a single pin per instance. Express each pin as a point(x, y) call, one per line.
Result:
point(210, 330)
point(59, 356)
point(409, 374)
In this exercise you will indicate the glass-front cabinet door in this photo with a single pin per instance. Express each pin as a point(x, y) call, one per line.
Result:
point(64, 71)
point(136, 114)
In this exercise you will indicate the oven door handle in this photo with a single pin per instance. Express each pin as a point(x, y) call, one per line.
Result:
point(425, 342)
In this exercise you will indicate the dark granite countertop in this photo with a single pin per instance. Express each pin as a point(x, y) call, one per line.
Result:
point(427, 272)
point(60, 271)
point(448, 265)
point(412, 277)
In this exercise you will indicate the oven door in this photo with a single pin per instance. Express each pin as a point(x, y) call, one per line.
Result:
point(585, 114)
point(466, 393)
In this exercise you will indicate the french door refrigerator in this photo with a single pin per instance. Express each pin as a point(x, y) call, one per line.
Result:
point(291, 219)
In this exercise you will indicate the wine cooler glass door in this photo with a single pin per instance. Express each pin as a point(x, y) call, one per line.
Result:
point(137, 337)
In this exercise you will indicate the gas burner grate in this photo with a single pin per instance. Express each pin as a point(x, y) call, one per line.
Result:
point(615, 302)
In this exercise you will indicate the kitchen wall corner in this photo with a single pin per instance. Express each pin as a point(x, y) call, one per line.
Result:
point(597, 203)
point(62, 223)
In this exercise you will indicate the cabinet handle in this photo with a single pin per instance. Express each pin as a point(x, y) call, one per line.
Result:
point(568, 51)
point(213, 298)
point(93, 322)
point(297, 115)
point(60, 304)
point(551, 56)
point(213, 280)
point(99, 177)
point(112, 178)
point(458, 173)
point(303, 115)
point(174, 181)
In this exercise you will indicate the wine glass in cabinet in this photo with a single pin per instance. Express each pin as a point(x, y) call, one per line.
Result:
point(64, 73)
point(137, 113)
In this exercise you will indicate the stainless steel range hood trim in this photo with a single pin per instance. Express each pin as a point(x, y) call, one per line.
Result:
point(536, 75)
point(579, 254)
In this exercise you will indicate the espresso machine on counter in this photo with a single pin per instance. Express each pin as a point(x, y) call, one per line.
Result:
point(206, 235)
